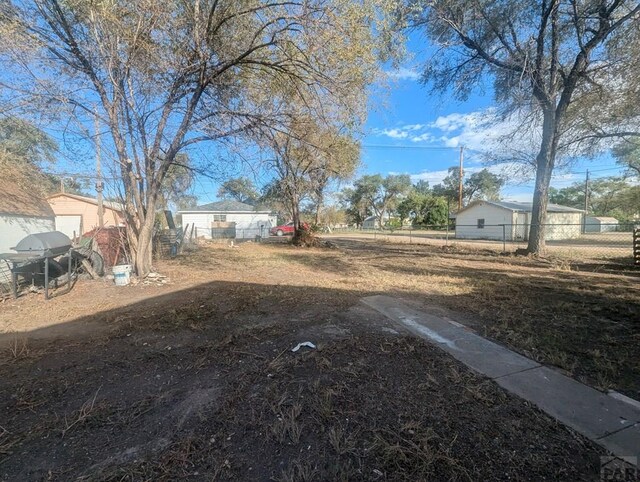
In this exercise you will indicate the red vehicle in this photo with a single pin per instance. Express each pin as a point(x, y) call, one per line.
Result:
point(282, 230)
point(285, 229)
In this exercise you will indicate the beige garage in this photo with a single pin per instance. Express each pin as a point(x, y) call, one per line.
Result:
point(512, 220)
point(79, 214)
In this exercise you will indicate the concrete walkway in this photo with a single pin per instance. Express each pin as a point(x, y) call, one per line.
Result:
point(608, 421)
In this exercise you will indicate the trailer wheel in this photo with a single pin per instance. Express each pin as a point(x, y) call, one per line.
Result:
point(94, 258)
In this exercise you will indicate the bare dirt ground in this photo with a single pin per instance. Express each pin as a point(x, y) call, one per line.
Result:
point(195, 379)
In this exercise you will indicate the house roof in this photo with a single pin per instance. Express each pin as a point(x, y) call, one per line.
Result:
point(523, 207)
point(225, 206)
point(18, 195)
point(107, 204)
point(602, 219)
point(373, 217)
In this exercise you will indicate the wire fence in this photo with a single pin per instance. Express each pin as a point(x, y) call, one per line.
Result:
point(611, 242)
point(241, 234)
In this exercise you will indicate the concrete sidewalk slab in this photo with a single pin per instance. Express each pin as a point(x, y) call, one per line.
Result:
point(482, 355)
point(586, 410)
point(625, 441)
point(610, 422)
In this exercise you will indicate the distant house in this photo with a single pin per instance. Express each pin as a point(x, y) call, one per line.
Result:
point(372, 222)
point(228, 219)
point(600, 224)
point(485, 220)
point(79, 214)
point(22, 210)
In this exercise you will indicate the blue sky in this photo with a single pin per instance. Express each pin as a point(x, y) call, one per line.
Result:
point(410, 130)
point(414, 119)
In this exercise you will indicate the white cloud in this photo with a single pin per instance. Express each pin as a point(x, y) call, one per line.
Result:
point(450, 141)
point(456, 121)
point(522, 197)
point(512, 171)
point(423, 137)
point(433, 177)
point(392, 133)
point(404, 73)
point(477, 130)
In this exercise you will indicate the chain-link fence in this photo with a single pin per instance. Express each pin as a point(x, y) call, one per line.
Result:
point(239, 234)
point(613, 242)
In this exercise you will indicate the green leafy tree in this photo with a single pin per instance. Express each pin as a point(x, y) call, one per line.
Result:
point(572, 196)
point(379, 195)
point(479, 185)
point(241, 189)
point(422, 187)
point(609, 196)
point(28, 147)
point(483, 185)
point(355, 206)
point(25, 142)
point(424, 209)
point(628, 155)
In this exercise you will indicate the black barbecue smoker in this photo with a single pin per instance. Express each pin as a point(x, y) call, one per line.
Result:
point(35, 255)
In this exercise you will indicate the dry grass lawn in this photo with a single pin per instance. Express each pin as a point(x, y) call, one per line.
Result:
point(195, 379)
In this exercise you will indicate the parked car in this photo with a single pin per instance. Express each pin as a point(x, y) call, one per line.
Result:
point(282, 230)
point(285, 229)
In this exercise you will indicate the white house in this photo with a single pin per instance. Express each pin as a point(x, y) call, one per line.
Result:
point(485, 220)
point(228, 219)
point(600, 224)
point(372, 222)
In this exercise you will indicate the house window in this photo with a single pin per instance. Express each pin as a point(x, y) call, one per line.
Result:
point(481, 223)
point(220, 218)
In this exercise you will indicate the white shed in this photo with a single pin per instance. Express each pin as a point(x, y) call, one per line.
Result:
point(600, 224)
point(485, 220)
point(372, 222)
point(229, 219)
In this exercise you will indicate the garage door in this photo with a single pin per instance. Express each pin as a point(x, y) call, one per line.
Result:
point(69, 224)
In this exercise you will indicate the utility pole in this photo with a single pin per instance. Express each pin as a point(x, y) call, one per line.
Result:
point(99, 184)
point(586, 203)
point(461, 178)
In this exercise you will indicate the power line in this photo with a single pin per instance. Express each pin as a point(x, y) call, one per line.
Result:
point(79, 175)
point(429, 148)
point(596, 170)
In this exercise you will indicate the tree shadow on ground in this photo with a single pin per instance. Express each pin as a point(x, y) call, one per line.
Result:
point(202, 383)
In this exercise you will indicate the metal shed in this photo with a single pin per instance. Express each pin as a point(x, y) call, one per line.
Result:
point(600, 224)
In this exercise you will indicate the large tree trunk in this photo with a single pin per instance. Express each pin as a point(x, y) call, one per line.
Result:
point(144, 249)
point(295, 214)
point(381, 219)
point(319, 208)
point(545, 162)
point(140, 227)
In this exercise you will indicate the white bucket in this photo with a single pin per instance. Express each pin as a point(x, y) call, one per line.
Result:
point(122, 274)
